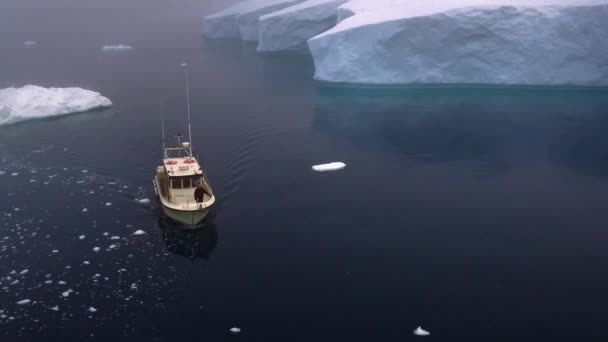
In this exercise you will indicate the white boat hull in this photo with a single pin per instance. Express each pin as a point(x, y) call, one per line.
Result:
point(189, 218)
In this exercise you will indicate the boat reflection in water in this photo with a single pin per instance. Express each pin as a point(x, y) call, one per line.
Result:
point(192, 244)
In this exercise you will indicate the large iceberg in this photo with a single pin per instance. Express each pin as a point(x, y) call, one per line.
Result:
point(33, 102)
point(290, 28)
point(248, 19)
point(223, 24)
point(241, 20)
point(526, 42)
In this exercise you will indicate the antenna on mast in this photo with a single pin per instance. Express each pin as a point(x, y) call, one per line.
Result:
point(162, 122)
point(185, 66)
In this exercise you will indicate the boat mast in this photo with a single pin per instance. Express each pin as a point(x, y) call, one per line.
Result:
point(185, 65)
point(162, 125)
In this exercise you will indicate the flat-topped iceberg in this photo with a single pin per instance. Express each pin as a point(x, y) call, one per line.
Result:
point(241, 20)
point(524, 42)
point(290, 28)
point(33, 102)
point(248, 17)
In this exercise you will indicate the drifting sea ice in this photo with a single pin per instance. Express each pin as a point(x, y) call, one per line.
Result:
point(329, 167)
point(116, 48)
point(33, 102)
point(421, 332)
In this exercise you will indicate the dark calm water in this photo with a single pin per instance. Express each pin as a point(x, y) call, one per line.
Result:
point(479, 214)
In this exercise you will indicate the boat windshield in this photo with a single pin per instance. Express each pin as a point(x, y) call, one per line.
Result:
point(186, 182)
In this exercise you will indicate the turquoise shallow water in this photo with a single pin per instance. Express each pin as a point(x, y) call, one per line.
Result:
point(478, 213)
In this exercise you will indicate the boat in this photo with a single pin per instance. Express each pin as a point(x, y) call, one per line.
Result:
point(180, 184)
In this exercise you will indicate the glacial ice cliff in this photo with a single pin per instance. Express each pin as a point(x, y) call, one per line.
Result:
point(524, 42)
point(33, 102)
point(241, 20)
point(289, 29)
point(520, 42)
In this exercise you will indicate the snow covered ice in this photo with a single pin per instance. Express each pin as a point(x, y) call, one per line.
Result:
point(30, 43)
point(116, 48)
point(24, 301)
point(290, 28)
point(421, 332)
point(33, 102)
point(523, 42)
point(505, 42)
point(143, 201)
point(241, 20)
point(329, 167)
point(235, 330)
point(139, 232)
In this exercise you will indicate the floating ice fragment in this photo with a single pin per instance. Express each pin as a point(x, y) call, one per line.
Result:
point(86, 262)
point(15, 282)
point(2, 173)
point(81, 237)
point(115, 238)
point(108, 204)
point(61, 282)
point(143, 201)
point(112, 246)
point(96, 249)
point(24, 301)
point(30, 43)
point(92, 309)
point(116, 48)
point(106, 234)
point(48, 281)
point(55, 308)
point(421, 332)
point(24, 271)
point(139, 232)
point(235, 330)
point(67, 293)
point(15, 174)
point(84, 210)
point(55, 251)
point(329, 167)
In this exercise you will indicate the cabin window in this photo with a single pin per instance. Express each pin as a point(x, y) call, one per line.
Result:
point(186, 183)
point(176, 183)
point(196, 181)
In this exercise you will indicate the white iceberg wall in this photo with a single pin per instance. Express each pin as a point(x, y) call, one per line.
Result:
point(452, 42)
point(290, 28)
point(33, 102)
point(224, 25)
point(248, 19)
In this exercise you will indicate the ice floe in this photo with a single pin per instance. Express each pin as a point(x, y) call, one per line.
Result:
point(143, 201)
point(329, 167)
point(24, 301)
point(30, 43)
point(139, 232)
point(116, 48)
point(33, 102)
point(235, 330)
point(421, 332)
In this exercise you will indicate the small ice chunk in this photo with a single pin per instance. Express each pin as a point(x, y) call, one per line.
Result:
point(15, 282)
point(112, 247)
point(116, 48)
point(61, 282)
point(55, 308)
point(81, 237)
point(24, 301)
point(106, 234)
point(15, 174)
point(96, 249)
point(115, 237)
point(66, 293)
point(235, 330)
point(92, 309)
point(86, 262)
point(48, 282)
point(139, 232)
point(55, 251)
point(329, 167)
point(84, 210)
point(2, 173)
point(108, 204)
point(421, 332)
point(143, 201)
point(24, 271)
point(30, 43)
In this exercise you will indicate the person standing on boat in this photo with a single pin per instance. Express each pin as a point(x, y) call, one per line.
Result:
point(199, 193)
